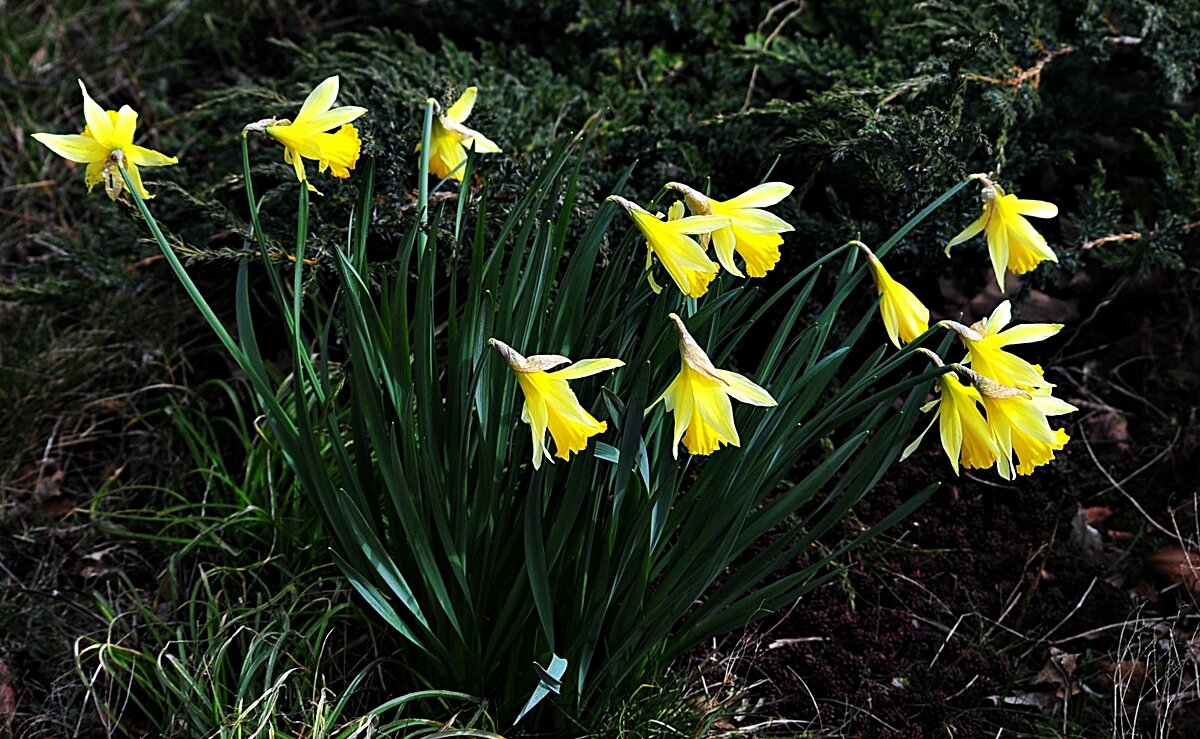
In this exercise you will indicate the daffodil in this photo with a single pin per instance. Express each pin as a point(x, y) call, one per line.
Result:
point(450, 139)
point(699, 398)
point(1018, 420)
point(904, 316)
point(308, 135)
point(550, 404)
point(753, 233)
point(966, 436)
point(986, 342)
point(1014, 244)
point(684, 259)
point(106, 145)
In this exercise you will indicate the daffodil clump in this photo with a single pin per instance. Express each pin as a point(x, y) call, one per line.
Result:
point(1015, 393)
point(993, 407)
point(413, 465)
point(106, 146)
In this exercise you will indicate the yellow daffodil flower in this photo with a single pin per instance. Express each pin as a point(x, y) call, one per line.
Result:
point(105, 145)
point(307, 136)
point(699, 398)
point(986, 342)
point(904, 316)
point(966, 436)
point(450, 139)
point(684, 259)
point(551, 404)
point(1014, 244)
point(1018, 420)
point(752, 232)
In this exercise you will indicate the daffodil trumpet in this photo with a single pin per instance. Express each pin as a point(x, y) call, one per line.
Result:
point(752, 232)
point(550, 404)
point(1013, 243)
point(905, 317)
point(699, 398)
point(106, 146)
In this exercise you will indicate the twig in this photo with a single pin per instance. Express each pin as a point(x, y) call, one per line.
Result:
point(1132, 623)
point(1119, 486)
point(1032, 75)
point(946, 641)
point(1130, 236)
point(769, 39)
point(1045, 638)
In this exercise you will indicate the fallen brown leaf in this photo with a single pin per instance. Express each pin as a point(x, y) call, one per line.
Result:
point(1176, 566)
point(1126, 678)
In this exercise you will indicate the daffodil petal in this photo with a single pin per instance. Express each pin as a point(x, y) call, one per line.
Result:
point(135, 177)
point(295, 160)
point(318, 101)
point(1001, 317)
point(1036, 208)
point(968, 232)
point(997, 238)
point(741, 388)
point(1051, 406)
point(759, 221)
point(723, 243)
point(98, 122)
point(950, 430)
point(654, 286)
point(463, 106)
point(539, 422)
point(891, 320)
point(1028, 333)
point(331, 119)
point(586, 367)
point(482, 144)
point(698, 224)
point(74, 147)
point(124, 127)
point(768, 193)
point(667, 398)
point(143, 157)
point(681, 403)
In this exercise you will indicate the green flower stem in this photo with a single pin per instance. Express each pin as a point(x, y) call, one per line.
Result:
point(298, 282)
point(423, 179)
point(259, 236)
